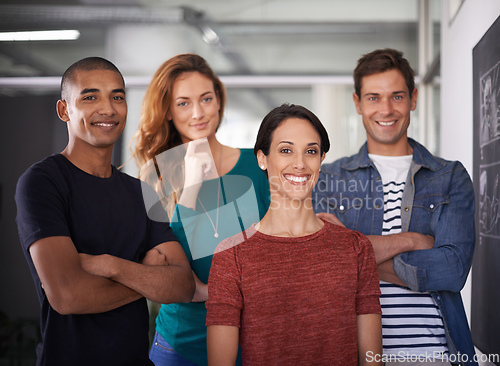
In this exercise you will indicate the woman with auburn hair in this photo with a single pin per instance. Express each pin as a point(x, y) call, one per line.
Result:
point(211, 191)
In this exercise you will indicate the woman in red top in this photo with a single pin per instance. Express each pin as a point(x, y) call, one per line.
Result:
point(296, 290)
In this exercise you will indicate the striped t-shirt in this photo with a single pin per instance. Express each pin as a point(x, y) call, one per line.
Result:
point(411, 321)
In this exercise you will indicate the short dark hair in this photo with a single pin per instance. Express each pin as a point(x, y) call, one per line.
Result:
point(380, 61)
point(85, 64)
point(277, 116)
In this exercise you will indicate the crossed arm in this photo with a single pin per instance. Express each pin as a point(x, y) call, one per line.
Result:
point(386, 247)
point(451, 248)
point(440, 262)
point(83, 284)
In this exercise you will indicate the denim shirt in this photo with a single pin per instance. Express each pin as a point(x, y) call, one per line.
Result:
point(438, 200)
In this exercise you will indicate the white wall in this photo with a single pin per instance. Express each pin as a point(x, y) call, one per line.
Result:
point(458, 38)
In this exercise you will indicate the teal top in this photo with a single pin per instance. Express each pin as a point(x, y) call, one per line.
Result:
point(233, 202)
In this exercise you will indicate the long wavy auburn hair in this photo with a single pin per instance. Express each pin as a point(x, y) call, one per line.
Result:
point(157, 134)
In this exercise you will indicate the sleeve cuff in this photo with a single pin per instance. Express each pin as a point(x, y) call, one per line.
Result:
point(222, 314)
point(409, 274)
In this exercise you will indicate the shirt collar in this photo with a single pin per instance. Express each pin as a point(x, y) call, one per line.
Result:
point(421, 156)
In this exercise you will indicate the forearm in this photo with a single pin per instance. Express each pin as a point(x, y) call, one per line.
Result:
point(201, 292)
point(222, 345)
point(387, 247)
point(443, 268)
point(89, 294)
point(369, 339)
point(68, 287)
point(189, 196)
point(386, 273)
point(162, 284)
point(103, 296)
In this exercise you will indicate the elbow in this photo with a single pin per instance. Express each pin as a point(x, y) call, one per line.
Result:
point(459, 283)
point(451, 285)
point(62, 310)
point(59, 306)
point(63, 303)
point(456, 277)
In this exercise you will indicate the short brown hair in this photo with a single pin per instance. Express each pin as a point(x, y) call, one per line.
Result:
point(380, 61)
point(280, 114)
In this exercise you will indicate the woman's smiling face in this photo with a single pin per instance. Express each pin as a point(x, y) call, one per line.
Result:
point(294, 159)
point(195, 107)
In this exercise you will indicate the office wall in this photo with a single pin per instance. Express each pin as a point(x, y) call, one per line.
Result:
point(30, 132)
point(459, 36)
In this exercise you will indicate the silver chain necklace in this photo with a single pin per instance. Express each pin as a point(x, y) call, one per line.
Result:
point(216, 226)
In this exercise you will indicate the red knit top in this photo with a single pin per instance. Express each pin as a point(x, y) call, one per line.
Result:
point(295, 299)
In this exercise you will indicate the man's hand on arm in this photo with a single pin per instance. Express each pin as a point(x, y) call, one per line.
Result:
point(69, 288)
point(330, 218)
point(155, 258)
point(387, 247)
point(101, 265)
point(164, 276)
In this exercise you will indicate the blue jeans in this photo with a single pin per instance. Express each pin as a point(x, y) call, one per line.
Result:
point(163, 354)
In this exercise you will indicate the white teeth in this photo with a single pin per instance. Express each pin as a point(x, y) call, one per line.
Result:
point(386, 123)
point(104, 124)
point(296, 179)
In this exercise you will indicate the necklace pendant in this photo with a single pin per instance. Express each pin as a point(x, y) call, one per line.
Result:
point(216, 235)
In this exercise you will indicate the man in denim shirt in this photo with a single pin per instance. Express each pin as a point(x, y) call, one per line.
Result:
point(418, 212)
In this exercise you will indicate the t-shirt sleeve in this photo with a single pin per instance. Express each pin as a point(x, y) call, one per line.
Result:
point(178, 229)
point(158, 223)
point(160, 232)
point(41, 205)
point(225, 300)
point(368, 291)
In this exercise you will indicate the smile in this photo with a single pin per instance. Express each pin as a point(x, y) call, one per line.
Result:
point(296, 179)
point(388, 123)
point(104, 124)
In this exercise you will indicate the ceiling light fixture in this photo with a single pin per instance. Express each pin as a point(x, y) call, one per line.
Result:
point(209, 35)
point(50, 35)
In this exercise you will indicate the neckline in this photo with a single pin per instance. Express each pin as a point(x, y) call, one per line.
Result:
point(387, 157)
point(68, 162)
point(235, 165)
point(307, 237)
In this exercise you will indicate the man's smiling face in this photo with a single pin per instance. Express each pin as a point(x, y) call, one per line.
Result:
point(96, 109)
point(385, 105)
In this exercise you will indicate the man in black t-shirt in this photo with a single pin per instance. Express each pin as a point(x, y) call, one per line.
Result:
point(93, 252)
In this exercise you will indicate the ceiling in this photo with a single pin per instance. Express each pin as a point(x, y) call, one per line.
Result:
point(312, 43)
point(237, 37)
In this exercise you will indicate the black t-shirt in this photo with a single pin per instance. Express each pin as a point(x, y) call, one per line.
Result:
point(100, 215)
